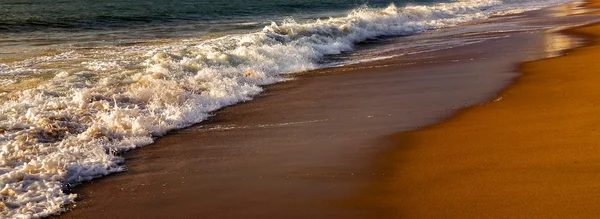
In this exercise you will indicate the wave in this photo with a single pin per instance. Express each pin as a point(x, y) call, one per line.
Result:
point(68, 129)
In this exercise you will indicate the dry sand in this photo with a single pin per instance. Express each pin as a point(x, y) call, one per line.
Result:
point(534, 153)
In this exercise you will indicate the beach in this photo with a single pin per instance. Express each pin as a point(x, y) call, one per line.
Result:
point(531, 154)
point(278, 109)
point(293, 152)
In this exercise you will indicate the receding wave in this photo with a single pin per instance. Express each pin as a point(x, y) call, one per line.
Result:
point(95, 103)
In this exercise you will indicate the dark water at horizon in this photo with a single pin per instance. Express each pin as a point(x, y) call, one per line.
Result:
point(34, 26)
point(81, 15)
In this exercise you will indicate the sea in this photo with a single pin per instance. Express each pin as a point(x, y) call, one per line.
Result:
point(82, 81)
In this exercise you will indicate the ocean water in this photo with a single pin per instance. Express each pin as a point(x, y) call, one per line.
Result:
point(30, 15)
point(83, 80)
point(87, 22)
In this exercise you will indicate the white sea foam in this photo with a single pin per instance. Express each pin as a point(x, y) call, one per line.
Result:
point(6, 82)
point(100, 101)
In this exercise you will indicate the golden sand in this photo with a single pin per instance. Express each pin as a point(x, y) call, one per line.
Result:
point(593, 4)
point(533, 153)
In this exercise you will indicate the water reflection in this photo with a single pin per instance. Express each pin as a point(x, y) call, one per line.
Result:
point(555, 43)
point(573, 8)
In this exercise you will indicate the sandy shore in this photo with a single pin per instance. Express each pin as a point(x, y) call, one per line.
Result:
point(305, 148)
point(534, 153)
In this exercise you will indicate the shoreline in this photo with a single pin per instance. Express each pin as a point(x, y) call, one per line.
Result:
point(529, 153)
point(211, 151)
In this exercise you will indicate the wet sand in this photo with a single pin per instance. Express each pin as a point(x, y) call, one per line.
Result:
point(305, 148)
point(533, 154)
